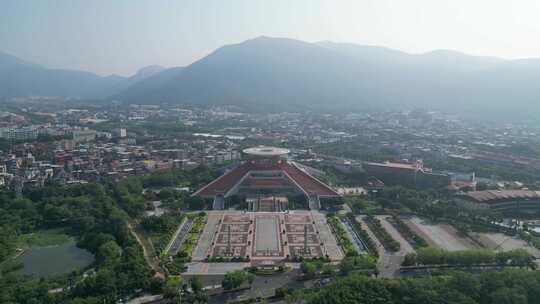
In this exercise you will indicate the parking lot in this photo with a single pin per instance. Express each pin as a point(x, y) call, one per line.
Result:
point(502, 242)
point(441, 235)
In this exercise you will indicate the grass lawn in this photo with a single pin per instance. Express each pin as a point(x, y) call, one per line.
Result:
point(51, 237)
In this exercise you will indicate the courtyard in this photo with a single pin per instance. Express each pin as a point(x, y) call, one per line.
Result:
point(267, 237)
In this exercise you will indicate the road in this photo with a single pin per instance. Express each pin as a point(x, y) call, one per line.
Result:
point(353, 236)
point(179, 237)
point(262, 286)
point(389, 262)
point(202, 268)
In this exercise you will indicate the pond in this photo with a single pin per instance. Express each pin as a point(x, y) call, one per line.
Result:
point(51, 260)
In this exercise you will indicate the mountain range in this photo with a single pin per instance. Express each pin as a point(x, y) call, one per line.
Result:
point(285, 74)
point(19, 78)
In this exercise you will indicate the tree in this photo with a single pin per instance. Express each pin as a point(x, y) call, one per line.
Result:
point(235, 279)
point(363, 262)
point(166, 194)
point(355, 289)
point(430, 256)
point(195, 203)
point(196, 285)
point(509, 296)
point(108, 254)
point(171, 290)
point(521, 258)
point(410, 259)
point(308, 269)
point(327, 270)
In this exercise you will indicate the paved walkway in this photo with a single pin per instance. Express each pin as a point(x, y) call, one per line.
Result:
point(201, 268)
point(205, 240)
point(327, 237)
point(267, 234)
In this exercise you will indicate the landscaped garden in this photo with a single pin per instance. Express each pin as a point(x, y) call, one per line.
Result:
point(341, 235)
point(384, 237)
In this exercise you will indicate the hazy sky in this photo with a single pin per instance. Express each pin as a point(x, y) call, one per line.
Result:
point(120, 36)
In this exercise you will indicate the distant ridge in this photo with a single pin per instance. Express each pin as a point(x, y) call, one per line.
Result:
point(274, 74)
point(277, 73)
point(19, 78)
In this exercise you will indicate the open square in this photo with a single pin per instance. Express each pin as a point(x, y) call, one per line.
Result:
point(234, 228)
point(299, 228)
point(267, 236)
point(299, 239)
point(235, 251)
point(235, 239)
point(267, 233)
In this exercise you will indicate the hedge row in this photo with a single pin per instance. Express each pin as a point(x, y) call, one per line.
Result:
point(368, 241)
point(176, 264)
point(414, 239)
point(160, 242)
point(384, 237)
point(192, 237)
point(343, 240)
point(435, 256)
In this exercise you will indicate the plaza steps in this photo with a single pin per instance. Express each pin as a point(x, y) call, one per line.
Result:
point(314, 202)
point(219, 203)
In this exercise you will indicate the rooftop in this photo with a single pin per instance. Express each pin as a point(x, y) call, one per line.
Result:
point(266, 151)
point(395, 165)
point(493, 195)
point(308, 184)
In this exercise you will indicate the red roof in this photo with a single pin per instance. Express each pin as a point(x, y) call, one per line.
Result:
point(224, 183)
point(227, 181)
point(308, 183)
point(267, 182)
point(494, 195)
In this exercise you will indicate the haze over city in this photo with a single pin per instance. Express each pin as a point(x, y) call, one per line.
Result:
point(285, 152)
point(119, 37)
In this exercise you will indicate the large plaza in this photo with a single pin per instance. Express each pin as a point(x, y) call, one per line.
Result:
point(264, 233)
point(267, 237)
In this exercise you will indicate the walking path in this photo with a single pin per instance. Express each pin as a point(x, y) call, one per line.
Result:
point(148, 249)
point(205, 240)
point(388, 263)
point(326, 236)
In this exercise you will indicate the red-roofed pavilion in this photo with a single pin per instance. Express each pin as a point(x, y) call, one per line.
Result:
point(267, 172)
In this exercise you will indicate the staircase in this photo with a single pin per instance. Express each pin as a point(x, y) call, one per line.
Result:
point(219, 203)
point(314, 202)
